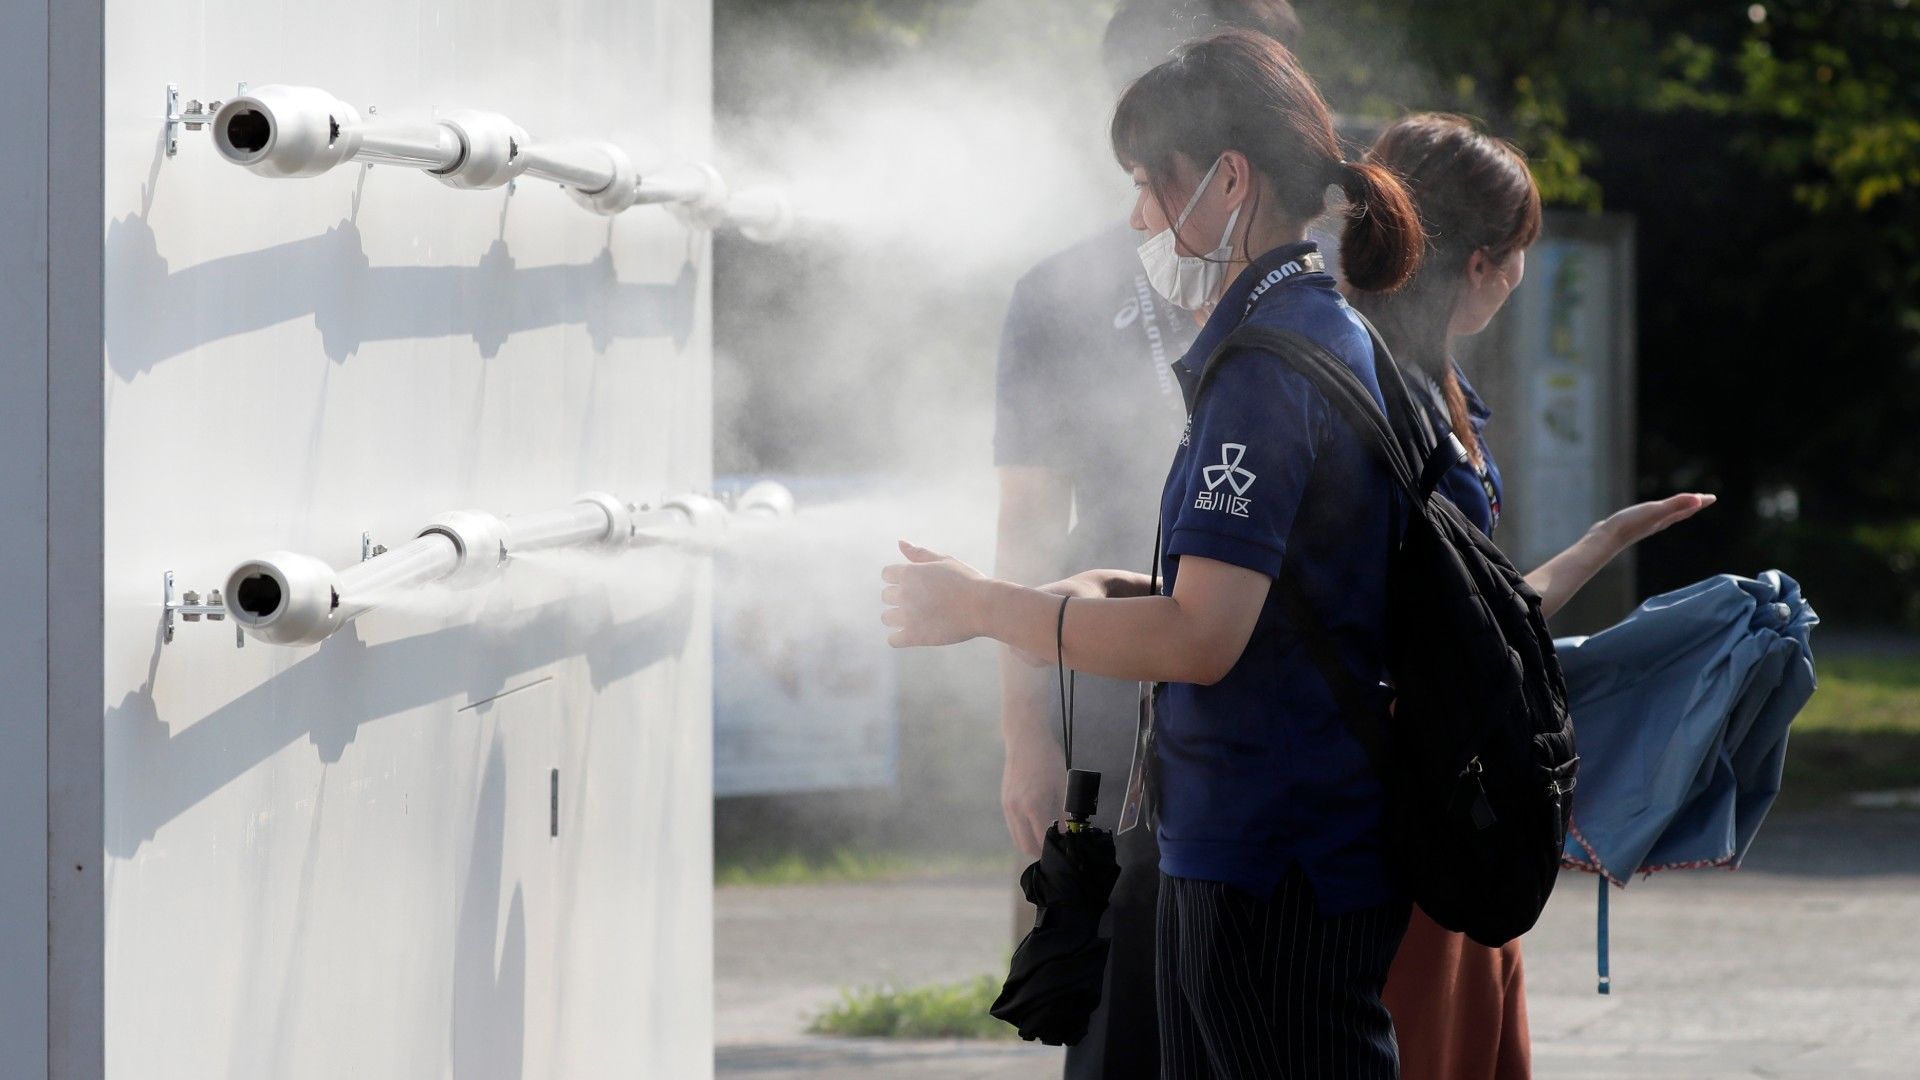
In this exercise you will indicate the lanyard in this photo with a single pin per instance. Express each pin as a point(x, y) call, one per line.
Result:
point(1310, 262)
point(1146, 302)
point(1484, 472)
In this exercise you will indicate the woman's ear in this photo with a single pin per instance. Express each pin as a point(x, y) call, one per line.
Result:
point(1239, 178)
point(1480, 266)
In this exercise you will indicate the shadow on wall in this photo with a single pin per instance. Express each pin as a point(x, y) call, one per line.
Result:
point(352, 302)
point(488, 1027)
point(170, 767)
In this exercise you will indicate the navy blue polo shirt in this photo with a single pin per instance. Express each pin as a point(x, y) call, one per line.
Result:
point(1258, 772)
point(1477, 492)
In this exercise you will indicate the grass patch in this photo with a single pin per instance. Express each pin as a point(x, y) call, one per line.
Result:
point(841, 865)
point(1861, 731)
point(1865, 694)
point(950, 1011)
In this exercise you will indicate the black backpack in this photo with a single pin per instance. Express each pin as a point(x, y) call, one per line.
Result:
point(1477, 754)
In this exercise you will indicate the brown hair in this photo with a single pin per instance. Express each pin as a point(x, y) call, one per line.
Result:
point(1240, 91)
point(1475, 193)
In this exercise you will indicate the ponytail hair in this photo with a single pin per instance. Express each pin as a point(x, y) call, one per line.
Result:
point(1473, 192)
point(1242, 91)
point(1381, 244)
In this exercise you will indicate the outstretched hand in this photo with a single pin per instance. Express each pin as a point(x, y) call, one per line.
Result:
point(931, 599)
point(1635, 523)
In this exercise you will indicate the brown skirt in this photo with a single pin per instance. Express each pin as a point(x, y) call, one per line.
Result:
point(1459, 1008)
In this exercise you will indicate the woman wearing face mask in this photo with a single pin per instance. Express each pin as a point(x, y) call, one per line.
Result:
point(1459, 1008)
point(1278, 912)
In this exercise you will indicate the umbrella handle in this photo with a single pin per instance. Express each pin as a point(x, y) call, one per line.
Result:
point(1606, 977)
point(1083, 797)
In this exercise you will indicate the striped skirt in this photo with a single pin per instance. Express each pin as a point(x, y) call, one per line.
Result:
point(1270, 988)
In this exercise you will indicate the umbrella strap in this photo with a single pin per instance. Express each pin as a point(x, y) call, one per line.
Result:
point(1066, 681)
point(1606, 977)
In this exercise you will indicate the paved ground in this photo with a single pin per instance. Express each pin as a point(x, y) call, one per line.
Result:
point(1804, 964)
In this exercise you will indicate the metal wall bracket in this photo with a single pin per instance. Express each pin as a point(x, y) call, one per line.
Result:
point(193, 116)
point(191, 608)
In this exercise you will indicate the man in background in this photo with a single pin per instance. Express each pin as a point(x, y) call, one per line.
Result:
point(1087, 419)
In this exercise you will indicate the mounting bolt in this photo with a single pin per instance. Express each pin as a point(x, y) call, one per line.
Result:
point(190, 599)
point(214, 600)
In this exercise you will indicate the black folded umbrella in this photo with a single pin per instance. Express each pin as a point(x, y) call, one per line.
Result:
point(1058, 970)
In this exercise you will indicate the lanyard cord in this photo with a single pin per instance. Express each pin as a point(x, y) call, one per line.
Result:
point(1066, 681)
point(1153, 582)
point(1310, 262)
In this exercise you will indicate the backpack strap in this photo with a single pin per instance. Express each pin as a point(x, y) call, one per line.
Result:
point(1409, 419)
point(1359, 704)
point(1329, 374)
point(1399, 448)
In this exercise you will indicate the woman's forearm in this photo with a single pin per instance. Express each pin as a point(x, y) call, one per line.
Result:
point(1102, 584)
point(1565, 573)
point(1145, 638)
point(1559, 578)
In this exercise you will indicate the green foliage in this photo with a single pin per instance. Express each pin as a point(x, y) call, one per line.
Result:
point(1828, 92)
point(1855, 573)
point(1821, 92)
point(848, 865)
point(1864, 694)
point(1771, 157)
point(1895, 548)
point(952, 1011)
point(1861, 731)
point(1771, 163)
point(1521, 67)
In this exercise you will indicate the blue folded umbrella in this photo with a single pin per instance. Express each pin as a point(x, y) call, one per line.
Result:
point(1681, 711)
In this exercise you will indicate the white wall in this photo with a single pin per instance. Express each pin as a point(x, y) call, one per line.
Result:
point(322, 862)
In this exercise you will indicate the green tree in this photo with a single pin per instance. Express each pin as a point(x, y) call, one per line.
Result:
point(1771, 155)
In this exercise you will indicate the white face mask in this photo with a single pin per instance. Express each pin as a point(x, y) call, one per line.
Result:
point(1188, 281)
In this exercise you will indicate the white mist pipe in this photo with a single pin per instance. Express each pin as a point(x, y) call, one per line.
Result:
point(763, 215)
point(433, 147)
point(767, 500)
point(299, 131)
point(492, 150)
point(588, 167)
point(431, 556)
point(287, 598)
point(284, 598)
point(593, 518)
point(599, 176)
point(287, 131)
point(682, 518)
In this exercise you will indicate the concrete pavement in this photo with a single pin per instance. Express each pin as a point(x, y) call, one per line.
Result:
point(1804, 964)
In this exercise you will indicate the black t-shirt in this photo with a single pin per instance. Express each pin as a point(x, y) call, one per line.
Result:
point(1084, 388)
